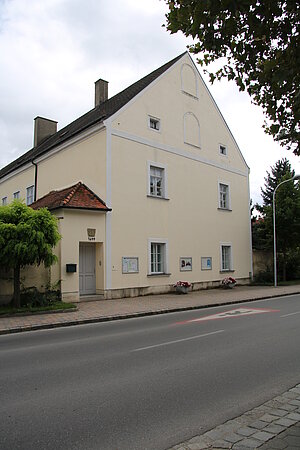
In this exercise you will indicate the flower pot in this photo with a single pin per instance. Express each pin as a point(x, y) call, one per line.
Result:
point(229, 286)
point(182, 289)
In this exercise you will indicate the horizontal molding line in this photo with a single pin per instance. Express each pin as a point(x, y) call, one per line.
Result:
point(175, 151)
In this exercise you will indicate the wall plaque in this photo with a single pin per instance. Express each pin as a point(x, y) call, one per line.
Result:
point(206, 263)
point(91, 232)
point(185, 264)
point(130, 264)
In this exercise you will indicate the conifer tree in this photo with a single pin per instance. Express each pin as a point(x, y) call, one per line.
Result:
point(287, 216)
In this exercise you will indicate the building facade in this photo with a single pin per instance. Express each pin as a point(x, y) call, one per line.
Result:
point(173, 185)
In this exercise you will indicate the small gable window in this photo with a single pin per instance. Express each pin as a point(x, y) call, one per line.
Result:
point(223, 150)
point(154, 123)
point(4, 201)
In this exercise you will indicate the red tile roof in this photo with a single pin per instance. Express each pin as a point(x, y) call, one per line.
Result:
point(78, 196)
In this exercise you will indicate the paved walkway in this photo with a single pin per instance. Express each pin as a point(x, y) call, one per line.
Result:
point(98, 311)
point(274, 425)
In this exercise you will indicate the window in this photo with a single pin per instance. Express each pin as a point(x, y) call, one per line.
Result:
point(4, 201)
point(223, 149)
point(154, 123)
point(158, 259)
point(226, 258)
point(17, 195)
point(29, 195)
point(224, 200)
point(157, 180)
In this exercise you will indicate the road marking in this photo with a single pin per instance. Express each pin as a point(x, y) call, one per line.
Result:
point(232, 313)
point(291, 314)
point(178, 340)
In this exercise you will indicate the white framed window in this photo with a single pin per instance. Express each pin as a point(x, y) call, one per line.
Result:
point(223, 149)
point(224, 196)
point(4, 201)
point(17, 195)
point(226, 257)
point(154, 123)
point(157, 180)
point(157, 256)
point(29, 195)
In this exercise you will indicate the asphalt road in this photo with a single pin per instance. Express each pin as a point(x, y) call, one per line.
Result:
point(145, 383)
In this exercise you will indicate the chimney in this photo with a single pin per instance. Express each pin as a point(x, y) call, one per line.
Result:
point(101, 92)
point(43, 128)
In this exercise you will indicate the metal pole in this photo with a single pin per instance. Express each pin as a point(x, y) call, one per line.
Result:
point(274, 240)
point(296, 177)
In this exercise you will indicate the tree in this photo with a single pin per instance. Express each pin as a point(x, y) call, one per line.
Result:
point(287, 215)
point(257, 44)
point(27, 237)
point(280, 169)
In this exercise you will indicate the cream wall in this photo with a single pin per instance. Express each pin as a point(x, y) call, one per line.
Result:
point(82, 161)
point(73, 228)
point(190, 220)
point(166, 100)
point(18, 182)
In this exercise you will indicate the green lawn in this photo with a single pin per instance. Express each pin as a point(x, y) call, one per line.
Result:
point(6, 309)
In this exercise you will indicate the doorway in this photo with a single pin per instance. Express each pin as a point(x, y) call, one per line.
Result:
point(87, 268)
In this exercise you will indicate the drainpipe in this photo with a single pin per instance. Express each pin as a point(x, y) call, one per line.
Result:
point(35, 178)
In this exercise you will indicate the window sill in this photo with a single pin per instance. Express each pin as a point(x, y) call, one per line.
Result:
point(227, 271)
point(224, 209)
point(159, 274)
point(157, 197)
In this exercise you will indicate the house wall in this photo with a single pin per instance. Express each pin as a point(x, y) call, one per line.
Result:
point(189, 220)
point(83, 161)
point(17, 182)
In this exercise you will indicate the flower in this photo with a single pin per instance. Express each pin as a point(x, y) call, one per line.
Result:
point(182, 284)
point(228, 280)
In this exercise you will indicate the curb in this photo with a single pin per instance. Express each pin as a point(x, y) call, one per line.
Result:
point(131, 315)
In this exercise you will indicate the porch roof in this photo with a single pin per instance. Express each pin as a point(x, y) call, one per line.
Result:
point(78, 196)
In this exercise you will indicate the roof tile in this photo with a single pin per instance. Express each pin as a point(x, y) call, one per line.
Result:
point(78, 196)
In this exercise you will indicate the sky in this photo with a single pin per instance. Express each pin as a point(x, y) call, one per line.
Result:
point(52, 52)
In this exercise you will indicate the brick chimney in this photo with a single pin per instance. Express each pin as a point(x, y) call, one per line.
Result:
point(101, 92)
point(43, 128)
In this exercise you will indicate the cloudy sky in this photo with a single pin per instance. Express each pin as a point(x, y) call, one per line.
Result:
point(52, 52)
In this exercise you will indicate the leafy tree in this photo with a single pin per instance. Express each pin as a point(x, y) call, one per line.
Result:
point(287, 215)
point(27, 237)
point(257, 45)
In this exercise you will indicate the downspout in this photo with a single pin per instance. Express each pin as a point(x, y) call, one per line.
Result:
point(35, 178)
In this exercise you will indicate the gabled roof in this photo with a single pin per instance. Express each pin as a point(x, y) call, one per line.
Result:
point(78, 196)
point(96, 115)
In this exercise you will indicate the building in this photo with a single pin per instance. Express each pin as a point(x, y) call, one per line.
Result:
point(149, 187)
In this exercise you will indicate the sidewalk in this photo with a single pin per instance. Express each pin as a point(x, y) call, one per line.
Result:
point(274, 425)
point(100, 311)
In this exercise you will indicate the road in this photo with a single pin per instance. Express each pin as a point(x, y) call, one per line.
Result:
point(145, 383)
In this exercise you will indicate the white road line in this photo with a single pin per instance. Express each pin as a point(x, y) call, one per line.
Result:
point(291, 314)
point(178, 340)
